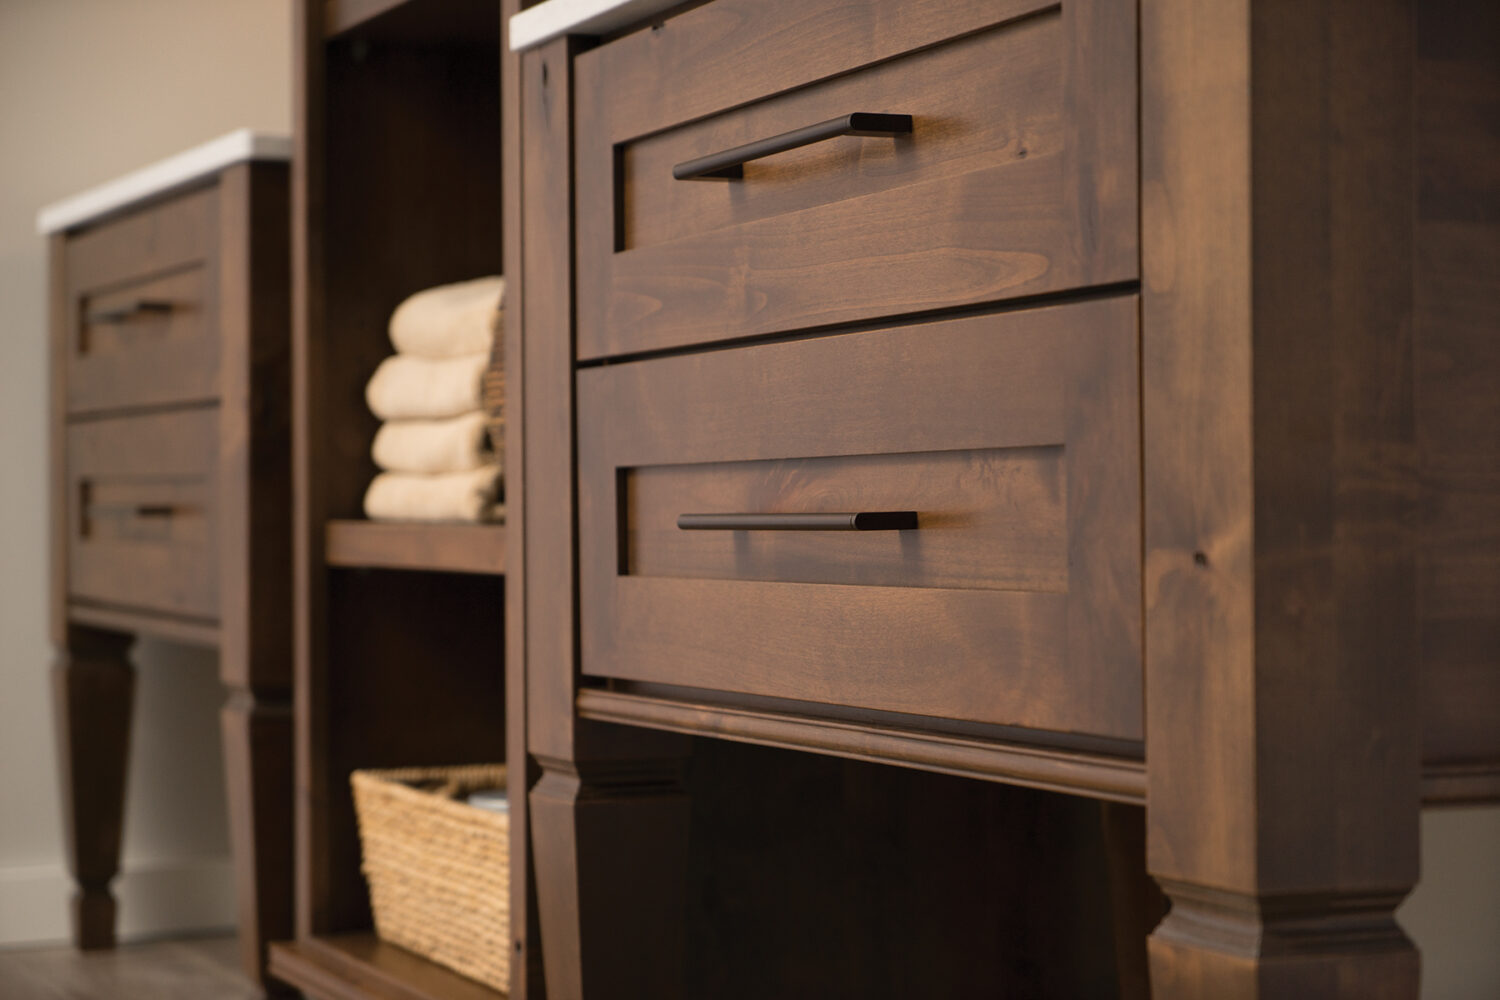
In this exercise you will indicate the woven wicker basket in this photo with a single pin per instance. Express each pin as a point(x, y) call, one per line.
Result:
point(438, 868)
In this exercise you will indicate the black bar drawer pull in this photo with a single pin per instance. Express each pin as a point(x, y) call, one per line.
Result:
point(869, 520)
point(136, 308)
point(729, 164)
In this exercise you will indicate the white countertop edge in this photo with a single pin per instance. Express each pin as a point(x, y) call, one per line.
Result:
point(200, 161)
point(554, 18)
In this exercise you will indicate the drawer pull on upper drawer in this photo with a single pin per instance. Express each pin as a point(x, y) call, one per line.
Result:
point(729, 163)
point(130, 309)
point(869, 520)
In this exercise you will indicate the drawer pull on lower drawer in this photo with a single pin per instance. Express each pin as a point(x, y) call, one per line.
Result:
point(869, 520)
point(137, 308)
point(729, 164)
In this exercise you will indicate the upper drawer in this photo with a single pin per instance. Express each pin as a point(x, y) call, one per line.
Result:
point(141, 294)
point(1018, 176)
point(142, 502)
point(1015, 600)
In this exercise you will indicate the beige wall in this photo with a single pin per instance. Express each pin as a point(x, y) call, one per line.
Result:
point(90, 89)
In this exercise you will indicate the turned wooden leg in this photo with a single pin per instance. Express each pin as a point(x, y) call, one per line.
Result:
point(257, 733)
point(610, 847)
point(93, 686)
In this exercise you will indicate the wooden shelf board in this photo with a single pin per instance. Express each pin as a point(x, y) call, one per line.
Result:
point(452, 548)
point(362, 967)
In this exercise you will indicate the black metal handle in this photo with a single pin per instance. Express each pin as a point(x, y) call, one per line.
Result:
point(133, 509)
point(135, 308)
point(869, 520)
point(729, 164)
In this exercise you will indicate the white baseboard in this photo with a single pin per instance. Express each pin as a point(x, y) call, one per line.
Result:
point(157, 898)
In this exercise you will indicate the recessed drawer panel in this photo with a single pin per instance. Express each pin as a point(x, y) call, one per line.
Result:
point(141, 318)
point(1004, 166)
point(142, 506)
point(1012, 438)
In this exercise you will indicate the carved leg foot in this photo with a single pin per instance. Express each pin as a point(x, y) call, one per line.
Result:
point(1239, 947)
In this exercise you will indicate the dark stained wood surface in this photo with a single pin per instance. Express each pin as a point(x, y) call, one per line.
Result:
point(146, 357)
point(1457, 362)
point(93, 690)
point(143, 505)
point(392, 668)
point(456, 548)
point(1050, 640)
point(1018, 179)
point(358, 966)
point(1098, 775)
point(526, 975)
point(809, 876)
point(1280, 497)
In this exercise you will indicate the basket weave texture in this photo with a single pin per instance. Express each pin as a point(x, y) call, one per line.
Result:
point(438, 868)
point(492, 390)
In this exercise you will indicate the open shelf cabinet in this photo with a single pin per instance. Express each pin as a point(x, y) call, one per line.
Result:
point(400, 652)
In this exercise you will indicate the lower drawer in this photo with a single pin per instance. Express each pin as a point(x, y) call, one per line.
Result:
point(1014, 440)
point(142, 512)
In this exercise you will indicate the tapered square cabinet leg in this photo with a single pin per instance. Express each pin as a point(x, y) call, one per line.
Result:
point(93, 684)
point(257, 733)
point(609, 845)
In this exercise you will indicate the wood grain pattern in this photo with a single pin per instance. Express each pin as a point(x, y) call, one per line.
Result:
point(1056, 651)
point(1457, 365)
point(359, 966)
point(526, 958)
point(1018, 178)
point(392, 668)
point(1280, 497)
point(454, 548)
point(1109, 778)
point(142, 498)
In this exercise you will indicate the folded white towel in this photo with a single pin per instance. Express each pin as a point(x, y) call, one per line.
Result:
point(412, 388)
point(456, 444)
point(451, 496)
point(449, 320)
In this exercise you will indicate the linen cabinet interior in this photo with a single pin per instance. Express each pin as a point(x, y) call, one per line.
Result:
point(400, 647)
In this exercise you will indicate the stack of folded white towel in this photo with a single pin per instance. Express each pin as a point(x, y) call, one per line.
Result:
point(435, 458)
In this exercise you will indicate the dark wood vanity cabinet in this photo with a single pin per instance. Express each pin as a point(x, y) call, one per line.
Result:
point(171, 491)
point(1168, 322)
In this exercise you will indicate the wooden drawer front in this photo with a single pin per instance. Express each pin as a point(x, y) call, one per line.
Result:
point(142, 327)
point(142, 504)
point(1014, 437)
point(1018, 178)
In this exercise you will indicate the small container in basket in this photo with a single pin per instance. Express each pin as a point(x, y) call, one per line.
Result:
point(438, 868)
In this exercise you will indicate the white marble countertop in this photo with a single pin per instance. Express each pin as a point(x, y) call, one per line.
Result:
point(554, 18)
point(196, 163)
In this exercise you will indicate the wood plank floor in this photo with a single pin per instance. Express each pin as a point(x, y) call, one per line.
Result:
point(198, 969)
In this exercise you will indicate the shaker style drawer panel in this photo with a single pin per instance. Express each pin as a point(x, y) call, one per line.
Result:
point(142, 502)
point(142, 307)
point(993, 155)
point(145, 344)
point(1013, 441)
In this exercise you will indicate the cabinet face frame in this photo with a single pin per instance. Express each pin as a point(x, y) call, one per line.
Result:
point(1027, 227)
